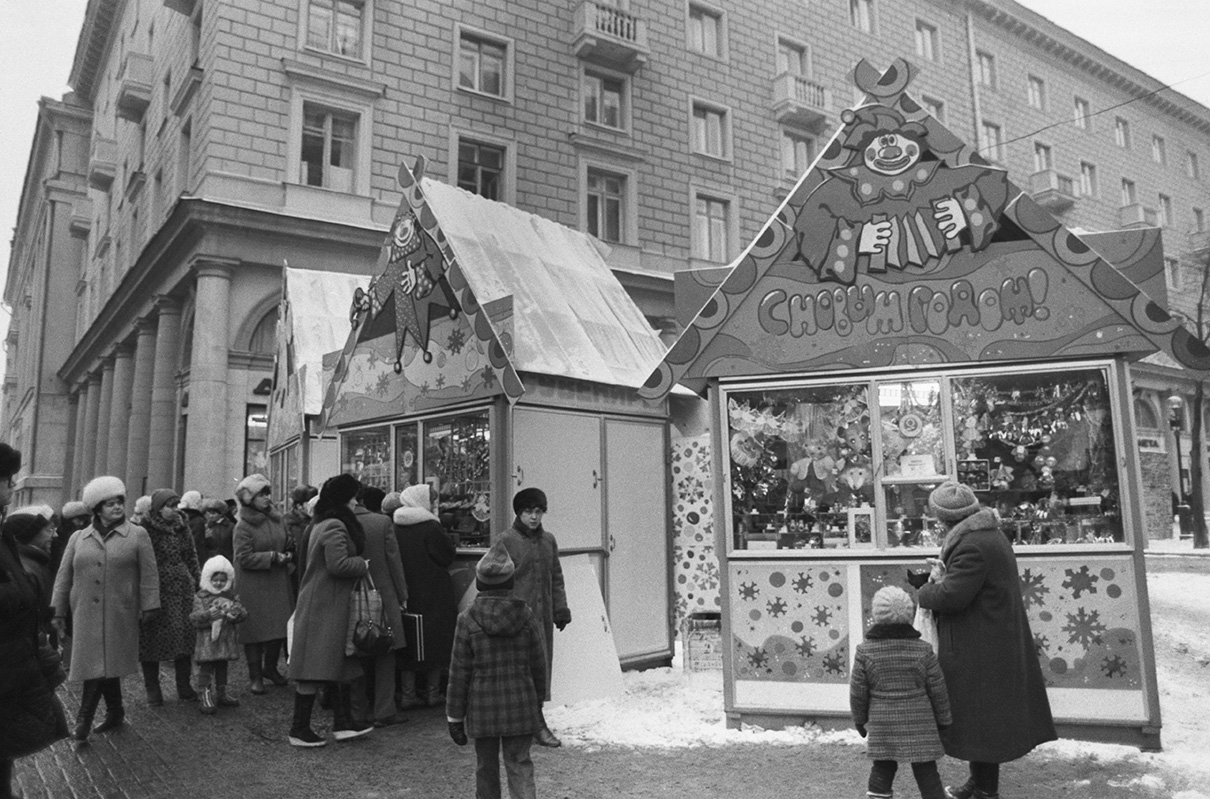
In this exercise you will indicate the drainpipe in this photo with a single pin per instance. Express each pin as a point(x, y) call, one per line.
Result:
point(973, 65)
point(47, 260)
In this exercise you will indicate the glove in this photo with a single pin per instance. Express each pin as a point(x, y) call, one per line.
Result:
point(562, 617)
point(861, 730)
point(458, 732)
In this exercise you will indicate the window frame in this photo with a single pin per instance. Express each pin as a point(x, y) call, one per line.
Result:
point(730, 199)
point(1163, 210)
point(366, 42)
point(1130, 193)
point(628, 228)
point(1035, 92)
point(1083, 121)
point(725, 129)
point(330, 114)
point(1121, 132)
point(589, 73)
point(929, 103)
point(1044, 157)
point(985, 65)
point(508, 189)
point(303, 92)
point(928, 37)
point(996, 152)
point(703, 9)
point(870, 17)
point(1199, 219)
point(784, 41)
point(1159, 149)
point(462, 32)
point(1193, 168)
point(1088, 179)
point(1173, 277)
point(793, 172)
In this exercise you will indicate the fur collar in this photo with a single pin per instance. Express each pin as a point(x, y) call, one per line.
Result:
point(405, 515)
point(882, 632)
point(979, 520)
point(250, 515)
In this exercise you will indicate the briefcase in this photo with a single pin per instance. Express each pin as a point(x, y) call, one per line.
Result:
point(413, 631)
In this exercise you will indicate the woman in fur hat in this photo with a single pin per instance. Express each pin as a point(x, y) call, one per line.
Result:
point(169, 636)
point(334, 563)
point(262, 561)
point(216, 611)
point(997, 692)
point(107, 583)
point(219, 536)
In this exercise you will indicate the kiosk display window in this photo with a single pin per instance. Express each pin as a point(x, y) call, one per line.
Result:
point(366, 454)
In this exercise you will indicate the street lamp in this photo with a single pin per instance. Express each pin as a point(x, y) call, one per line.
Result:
point(1183, 513)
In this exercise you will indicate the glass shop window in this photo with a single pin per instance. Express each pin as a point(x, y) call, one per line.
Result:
point(454, 455)
point(366, 454)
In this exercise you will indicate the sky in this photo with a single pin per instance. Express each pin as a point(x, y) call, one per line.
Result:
point(1164, 38)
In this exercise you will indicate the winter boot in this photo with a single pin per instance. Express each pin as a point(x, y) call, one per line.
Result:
point(544, 737)
point(408, 698)
point(269, 670)
point(344, 728)
point(256, 680)
point(207, 703)
point(301, 733)
point(115, 713)
point(90, 697)
point(224, 699)
point(432, 689)
point(184, 671)
point(151, 681)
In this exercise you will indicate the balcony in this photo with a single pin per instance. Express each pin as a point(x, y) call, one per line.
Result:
point(134, 87)
point(609, 36)
point(102, 163)
point(80, 223)
point(799, 101)
point(1137, 215)
point(1199, 244)
point(1052, 190)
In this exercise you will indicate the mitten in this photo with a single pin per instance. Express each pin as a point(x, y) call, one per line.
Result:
point(861, 730)
point(458, 732)
point(562, 617)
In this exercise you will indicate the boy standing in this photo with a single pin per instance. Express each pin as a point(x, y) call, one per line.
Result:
point(497, 680)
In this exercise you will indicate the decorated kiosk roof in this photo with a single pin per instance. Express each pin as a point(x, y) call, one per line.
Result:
point(901, 246)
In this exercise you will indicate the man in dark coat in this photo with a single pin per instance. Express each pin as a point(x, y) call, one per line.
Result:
point(997, 692)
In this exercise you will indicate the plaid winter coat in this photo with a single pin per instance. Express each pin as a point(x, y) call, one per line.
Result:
point(498, 668)
point(898, 693)
point(225, 647)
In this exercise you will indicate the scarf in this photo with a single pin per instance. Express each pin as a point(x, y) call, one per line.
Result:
point(882, 632)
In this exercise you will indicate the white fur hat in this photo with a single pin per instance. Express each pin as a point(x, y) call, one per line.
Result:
point(892, 605)
point(250, 486)
point(45, 511)
point(191, 500)
point(216, 564)
point(102, 489)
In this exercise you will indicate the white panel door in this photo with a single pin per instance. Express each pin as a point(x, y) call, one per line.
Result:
point(560, 453)
point(637, 518)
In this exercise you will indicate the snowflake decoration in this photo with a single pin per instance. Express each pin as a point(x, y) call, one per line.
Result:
point(1033, 589)
point(1084, 628)
point(1041, 644)
point(1079, 582)
point(466, 382)
point(806, 647)
point(748, 591)
point(1113, 666)
point(833, 663)
point(456, 340)
point(776, 608)
point(758, 659)
point(489, 377)
point(440, 381)
point(383, 385)
point(425, 388)
point(822, 616)
point(803, 582)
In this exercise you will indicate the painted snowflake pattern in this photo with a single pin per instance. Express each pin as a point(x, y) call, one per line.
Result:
point(1113, 666)
point(803, 583)
point(440, 381)
point(822, 616)
point(456, 340)
point(833, 663)
point(806, 647)
point(1033, 588)
point(383, 385)
point(1084, 628)
point(1041, 644)
point(489, 377)
point(776, 607)
point(748, 591)
point(758, 659)
point(1080, 582)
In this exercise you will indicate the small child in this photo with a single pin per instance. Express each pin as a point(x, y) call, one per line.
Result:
point(898, 691)
point(497, 679)
point(216, 611)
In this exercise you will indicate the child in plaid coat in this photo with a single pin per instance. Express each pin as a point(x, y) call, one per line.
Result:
point(897, 691)
point(497, 680)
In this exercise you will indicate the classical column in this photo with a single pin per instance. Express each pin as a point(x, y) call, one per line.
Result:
point(104, 414)
point(88, 463)
point(162, 429)
point(77, 458)
point(206, 433)
point(119, 415)
point(140, 407)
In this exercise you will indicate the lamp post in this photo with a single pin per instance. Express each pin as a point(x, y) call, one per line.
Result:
point(1183, 513)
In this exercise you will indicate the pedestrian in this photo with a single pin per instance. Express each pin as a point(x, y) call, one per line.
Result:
point(169, 635)
point(334, 563)
point(386, 570)
point(297, 520)
point(218, 539)
point(497, 679)
point(986, 649)
point(107, 584)
point(190, 506)
point(261, 562)
point(371, 498)
point(142, 506)
point(539, 577)
point(897, 695)
point(32, 532)
point(32, 718)
point(74, 516)
point(216, 611)
point(427, 553)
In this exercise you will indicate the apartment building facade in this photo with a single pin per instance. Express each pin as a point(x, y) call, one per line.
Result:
point(208, 142)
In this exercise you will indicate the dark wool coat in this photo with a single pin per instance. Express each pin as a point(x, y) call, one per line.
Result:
point(538, 579)
point(32, 718)
point(195, 520)
point(986, 649)
point(897, 692)
point(103, 584)
point(169, 635)
point(427, 554)
point(225, 647)
point(498, 669)
point(219, 539)
point(263, 584)
point(321, 623)
point(37, 565)
point(382, 551)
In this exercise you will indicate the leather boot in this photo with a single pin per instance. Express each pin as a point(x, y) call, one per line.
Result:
point(344, 728)
point(115, 713)
point(432, 689)
point(256, 680)
point(269, 670)
point(207, 703)
point(184, 671)
point(151, 681)
point(301, 733)
point(90, 697)
point(544, 737)
point(224, 699)
point(408, 698)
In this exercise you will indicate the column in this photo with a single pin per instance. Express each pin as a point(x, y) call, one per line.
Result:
point(119, 415)
point(104, 412)
point(140, 407)
point(88, 463)
point(206, 433)
point(77, 458)
point(162, 429)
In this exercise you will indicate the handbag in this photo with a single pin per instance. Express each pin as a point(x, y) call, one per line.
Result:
point(369, 633)
point(413, 631)
point(926, 624)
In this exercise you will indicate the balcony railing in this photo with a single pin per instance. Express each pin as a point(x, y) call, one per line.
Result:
point(134, 87)
point(1137, 215)
point(102, 163)
point(609, 36)
point(1052, 190)
point(800, 101)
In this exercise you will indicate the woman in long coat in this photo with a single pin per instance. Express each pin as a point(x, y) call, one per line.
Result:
point(262, 576)
point(987, 653)
point(107, 583)
point(382, 552)
point(334, 563)
point(427, 553)
point(170, 635)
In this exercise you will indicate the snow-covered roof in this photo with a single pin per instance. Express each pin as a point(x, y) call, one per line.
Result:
point(318, 323)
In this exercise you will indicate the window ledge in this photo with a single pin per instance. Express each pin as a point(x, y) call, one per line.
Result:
point(343, 59)
point(721, 159)
point(362, 88)
point(585, 140)
point(496, 98)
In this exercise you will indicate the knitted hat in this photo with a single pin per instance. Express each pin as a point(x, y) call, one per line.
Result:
point(495, 568)
point(391, 503)
point(953, 502)
point(163, 496)
point(190, 500)
point(528, 498)
point(216, 564)
point(250, 486)
point(214, 505)
point(339, 490)
point(102, 489)
point(892, 605)
point(73, 510)
point(24, 526)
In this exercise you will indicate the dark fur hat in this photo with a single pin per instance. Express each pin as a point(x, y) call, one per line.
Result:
point(528, 498)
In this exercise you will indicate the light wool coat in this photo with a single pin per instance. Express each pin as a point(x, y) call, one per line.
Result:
point(103, 584)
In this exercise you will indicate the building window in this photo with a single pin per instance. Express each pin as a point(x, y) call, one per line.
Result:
point(1036, 92)
point(1042, 157)
point(1088, 179)
point(1199, 220)
point(336, 26)
point(1191, 166)
point(797, 153)
point(604, 100)
point(861, 15)
point(1159, 150)
point(1081, 112)
point(481, 169)
point(256, 440)
point(793, 59)
point(1121, 132)
point(482, 65)
point(710, 131)
point(1129, 193)
point(705, 31)
point(606, 203)
point(329, 140)
point(987, 69)
point(1165, 210)
point(1172, 270)
point(710, 223)
point(992, 145)
point(928, 45)
point(935, 107)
